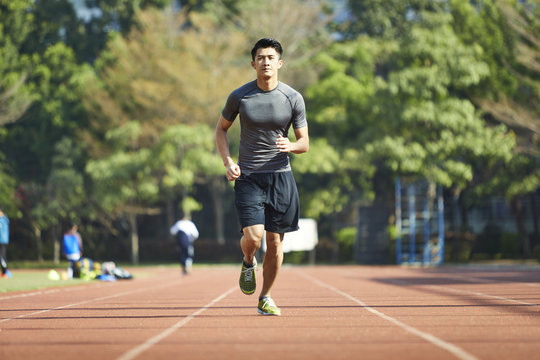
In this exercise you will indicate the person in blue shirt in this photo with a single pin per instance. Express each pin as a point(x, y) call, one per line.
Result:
point(4, 241)
point(72, 248)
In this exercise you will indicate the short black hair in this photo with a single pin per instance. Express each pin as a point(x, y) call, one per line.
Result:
point(266, 43)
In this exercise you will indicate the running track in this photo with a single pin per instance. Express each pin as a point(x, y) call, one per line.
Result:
point(353, 312)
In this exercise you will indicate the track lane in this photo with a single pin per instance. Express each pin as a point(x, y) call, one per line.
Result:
point(488, 319)
point(328, 312)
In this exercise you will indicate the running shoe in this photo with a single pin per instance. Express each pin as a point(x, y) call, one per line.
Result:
point(267, 306)
point(247, 278)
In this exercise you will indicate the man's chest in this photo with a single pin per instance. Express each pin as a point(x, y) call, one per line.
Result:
point(265, 111)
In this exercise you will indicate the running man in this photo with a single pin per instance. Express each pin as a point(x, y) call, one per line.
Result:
point(266, 196)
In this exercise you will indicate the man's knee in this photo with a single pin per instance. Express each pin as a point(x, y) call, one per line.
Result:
point(253, 235)
point(273, 242)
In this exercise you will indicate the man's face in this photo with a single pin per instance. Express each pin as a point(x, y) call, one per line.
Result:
point(267, 62)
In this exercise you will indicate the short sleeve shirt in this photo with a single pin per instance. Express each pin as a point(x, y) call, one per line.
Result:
point(186, 226)
point(70, 244)
point(264, 115)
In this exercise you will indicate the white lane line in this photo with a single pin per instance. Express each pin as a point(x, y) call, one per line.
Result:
point(51, 291)
point(473, 279)
point(451, 348)
point(504, 281)
point(449, 289)
point(85, 302)
point(136, 351)
point(42, 292)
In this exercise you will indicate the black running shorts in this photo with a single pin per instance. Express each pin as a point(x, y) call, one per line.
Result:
point(268, 198)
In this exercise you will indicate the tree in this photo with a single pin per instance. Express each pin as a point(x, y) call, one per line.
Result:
point(398, 104)
point(7, 188)
point(43, 49)
point(63, 195)
point(123, 180)
point(508, 33)
point(387, 19)
point(142, 87)
point(302, 29)
point(132, 178)
point(15, 94)
point(83, 26)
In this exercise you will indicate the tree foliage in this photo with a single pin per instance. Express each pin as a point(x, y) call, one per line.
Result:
point(110, 105)
point(508, 33)
point(155, 101)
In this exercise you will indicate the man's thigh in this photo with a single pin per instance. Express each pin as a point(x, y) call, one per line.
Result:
point(283, 206)
point(249, 201)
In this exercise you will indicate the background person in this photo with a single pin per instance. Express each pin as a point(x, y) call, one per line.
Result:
point(185, 233)
point(4, 241)
point(72, 248)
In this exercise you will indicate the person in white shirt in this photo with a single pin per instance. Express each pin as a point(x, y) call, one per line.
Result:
point(185, 233)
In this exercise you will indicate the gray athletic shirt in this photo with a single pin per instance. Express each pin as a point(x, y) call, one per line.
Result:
point(264, 115)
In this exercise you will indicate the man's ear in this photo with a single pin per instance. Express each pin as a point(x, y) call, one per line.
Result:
point(280, 63)
point(253, 65)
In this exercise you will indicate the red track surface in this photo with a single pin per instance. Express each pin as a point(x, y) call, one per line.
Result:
point(353, 312)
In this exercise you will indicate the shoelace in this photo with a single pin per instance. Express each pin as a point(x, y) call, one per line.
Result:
point(248, 273)
point(268, 301)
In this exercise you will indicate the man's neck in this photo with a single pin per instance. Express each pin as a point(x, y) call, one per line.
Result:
point(267, 84)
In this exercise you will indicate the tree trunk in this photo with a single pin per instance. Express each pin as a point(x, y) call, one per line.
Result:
point(56, 244)
point(517, 209)
point(456, 224)
point(535, 218)
point(170, 214)
point(335, 240)
point(134, 239)
point(39, 247)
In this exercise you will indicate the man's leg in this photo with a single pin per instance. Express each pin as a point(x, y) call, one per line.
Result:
point(189, 260)
point(272, 261)
point(182, 257)
point(251, 242)
point(70, 269)
point(183, 244)
point(3, 261)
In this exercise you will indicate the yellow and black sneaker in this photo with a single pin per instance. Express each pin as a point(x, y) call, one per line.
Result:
point(247, 278)
point(267, 306)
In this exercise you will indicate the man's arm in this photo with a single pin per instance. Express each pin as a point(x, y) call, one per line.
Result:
point(301, 145)
point(222, 143)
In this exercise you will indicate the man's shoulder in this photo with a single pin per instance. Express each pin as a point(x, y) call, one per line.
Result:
point(288, 90)
point(245, 89)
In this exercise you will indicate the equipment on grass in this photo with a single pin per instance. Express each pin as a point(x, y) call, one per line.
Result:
point(88, 269)
point(53, 275)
